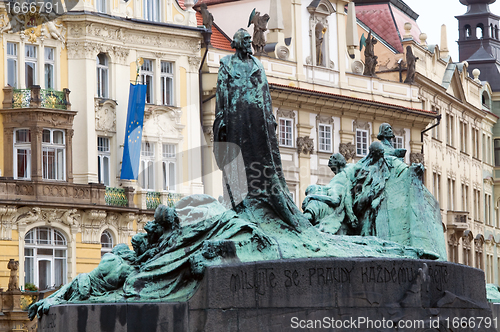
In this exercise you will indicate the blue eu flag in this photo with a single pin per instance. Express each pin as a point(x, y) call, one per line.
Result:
point(133, 133)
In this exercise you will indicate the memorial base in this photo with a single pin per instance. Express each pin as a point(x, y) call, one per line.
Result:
point(356, 294)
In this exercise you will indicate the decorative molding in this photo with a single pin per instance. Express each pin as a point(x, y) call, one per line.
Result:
point(356, 124)
point(90, 50)
point(283, 52)
point(324, 119)
point(209, 130)
point(285, 114)
point(305, 145)
point(417, 158)
point(357, 67)
point(194, 64)
point(105, 115)
point(348, 150)
point(163, 122)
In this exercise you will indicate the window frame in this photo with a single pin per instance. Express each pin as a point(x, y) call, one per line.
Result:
point(169, 159)
point(151, 10)
point(103, 154)
point(21, 146)
point(165, 77)
point(30, 60)
point(15, 60)
point(102, 76)
point(106, 247)
point(147, 169)
point(322, 146)
point(148, 74)
point(48, 146)
point(365, 148)
point(32, 242)
point(284, 140)
point(49, 63)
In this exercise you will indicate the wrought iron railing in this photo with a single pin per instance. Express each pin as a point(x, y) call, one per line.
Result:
point(21, 98)
point(115, 197)
point(172, 198)
point(153, 199)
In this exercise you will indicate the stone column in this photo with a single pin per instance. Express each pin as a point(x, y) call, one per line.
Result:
point(36, 153)
point(69, 155)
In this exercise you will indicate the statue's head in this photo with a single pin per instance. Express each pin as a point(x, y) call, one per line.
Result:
point(167, 217)
point(376, 150)
point(242, 41)
point(122, 250)
point(385, 131)
point(337, 163)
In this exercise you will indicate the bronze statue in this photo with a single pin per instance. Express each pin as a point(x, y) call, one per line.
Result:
point(411, 61)
point(385, 136)
point(370, 57)
point(259, 27)
point(208, 18)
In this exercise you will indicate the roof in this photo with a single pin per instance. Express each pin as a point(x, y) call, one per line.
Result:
point(448, 75)
point(386, 21)
point(481, 55)
point(398, 3)
point(211, 2)
point(219, 39)
point(352, 99)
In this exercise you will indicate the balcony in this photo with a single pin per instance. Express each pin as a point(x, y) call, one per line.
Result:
point(35, 97)
point(118, 196)
point(150, 200)
point(457, 220)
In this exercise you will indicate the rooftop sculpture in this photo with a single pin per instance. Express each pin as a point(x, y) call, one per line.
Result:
point(374, 208)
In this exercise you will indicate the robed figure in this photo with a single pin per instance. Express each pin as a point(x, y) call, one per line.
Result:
point(245, 143)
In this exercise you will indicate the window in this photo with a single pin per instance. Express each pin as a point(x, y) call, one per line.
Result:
point(106, 243)
point(463, 136)
point(475, 142)
point(465, 197)
point(497, 151)
point(167, 83)
point(100, 6)
point(168, 167)
point(436, 185)
point(450, 130)
point(102, 76)
point(147, 74)
point(147, 166)
point(49, 68)
point(45, 258)
point(435, 130)
point(151, 10)
point(53, 155)
point(451, 194)
point(361, 142)
point(487, 210)
point(467, 252)
point(397, 142)
point(12, 64)
point(30, 61)
point(22, 154)
point(103, 160)
point(325, 137)
point(286, 132)
point(477, 202)
point(488, 150)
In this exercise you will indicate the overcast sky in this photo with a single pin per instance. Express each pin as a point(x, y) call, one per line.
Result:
point(434, 13)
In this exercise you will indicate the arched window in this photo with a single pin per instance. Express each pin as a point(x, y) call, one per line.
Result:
point(106, 242)
point(102, 76)
point(467, 31)
point(45, 258)
point(492, 31)
point(496, 32)
point(480, 31)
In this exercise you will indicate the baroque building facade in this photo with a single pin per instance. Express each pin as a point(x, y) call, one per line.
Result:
point(62, 202)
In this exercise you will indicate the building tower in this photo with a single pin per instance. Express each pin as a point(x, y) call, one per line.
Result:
point(478, 40)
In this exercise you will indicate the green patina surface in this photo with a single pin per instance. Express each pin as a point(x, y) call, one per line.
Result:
point(492, 293)
point(375, 208)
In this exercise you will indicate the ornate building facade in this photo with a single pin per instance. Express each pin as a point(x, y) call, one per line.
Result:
point(62, 202)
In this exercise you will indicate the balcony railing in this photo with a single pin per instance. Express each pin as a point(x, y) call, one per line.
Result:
point(153, 199)
point(35, 97)
point(115, 197)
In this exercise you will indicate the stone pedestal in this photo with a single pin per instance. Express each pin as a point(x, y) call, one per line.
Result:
point(358, 294)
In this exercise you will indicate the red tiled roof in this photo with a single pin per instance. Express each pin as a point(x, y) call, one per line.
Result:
point(401, 18)
point(219, 39)
point(212, 2)
point(181, 4)
point(379, 19)
point(368, 101)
